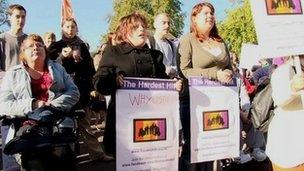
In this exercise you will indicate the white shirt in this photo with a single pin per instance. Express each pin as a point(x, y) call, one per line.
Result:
point(164, 46)
point(285, 134)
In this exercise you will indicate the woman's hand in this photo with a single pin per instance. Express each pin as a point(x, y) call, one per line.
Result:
point(297, 82)
point(224, 76)
point(76, 55)
point(39, 103)
point(180, 150)
point(248, 74)
point(119, 80)
point(171, 72)
point(178, 85)
point(66, 52)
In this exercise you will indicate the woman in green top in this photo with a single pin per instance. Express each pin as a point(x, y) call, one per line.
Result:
point(202, 52)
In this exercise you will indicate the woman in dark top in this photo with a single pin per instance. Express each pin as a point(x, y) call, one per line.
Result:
point(131, 57)
point(75, 57)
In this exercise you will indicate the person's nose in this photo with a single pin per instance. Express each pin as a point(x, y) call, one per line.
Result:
point(36, 46)
point(167, 25)
point(19, 20)
point(209, 15)
point(141, 28)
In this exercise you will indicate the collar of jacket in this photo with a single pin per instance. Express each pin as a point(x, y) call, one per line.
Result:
point(127, 48)
point(49, 63)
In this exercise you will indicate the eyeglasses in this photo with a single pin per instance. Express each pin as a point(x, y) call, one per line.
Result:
point(31, 46)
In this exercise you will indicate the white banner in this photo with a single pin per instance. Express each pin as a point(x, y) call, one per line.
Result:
point(250, 56)
point(279, 26)
point(147, 124)
point(215, 125)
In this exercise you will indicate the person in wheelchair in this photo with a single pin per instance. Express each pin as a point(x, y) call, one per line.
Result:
point(39, 90)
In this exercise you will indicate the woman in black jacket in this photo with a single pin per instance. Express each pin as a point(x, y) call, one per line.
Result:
point(75, 57)
point(131, 57)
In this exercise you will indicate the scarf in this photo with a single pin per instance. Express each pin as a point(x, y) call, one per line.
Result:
point(75, 41)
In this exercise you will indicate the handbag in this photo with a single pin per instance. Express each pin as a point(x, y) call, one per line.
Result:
point(262, 108)
point(35, 132)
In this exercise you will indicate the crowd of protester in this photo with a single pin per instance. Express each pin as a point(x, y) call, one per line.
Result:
point(45, 72)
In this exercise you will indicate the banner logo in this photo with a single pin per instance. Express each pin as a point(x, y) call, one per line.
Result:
point(149, 130)
point(215, 120)
point(278, 7)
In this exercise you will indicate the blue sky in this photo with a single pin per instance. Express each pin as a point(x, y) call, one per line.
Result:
point(91, 16)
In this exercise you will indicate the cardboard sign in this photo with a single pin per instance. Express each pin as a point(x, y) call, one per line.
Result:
point(279, 26)
point(147, 124)
point(215, 125)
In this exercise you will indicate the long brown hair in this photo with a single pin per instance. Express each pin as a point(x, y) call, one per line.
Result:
point(127, 24)
point(193, 28)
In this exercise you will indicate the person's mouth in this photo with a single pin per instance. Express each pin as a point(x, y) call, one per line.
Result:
point(142, 35)
point(209, 20)
point(35, 53)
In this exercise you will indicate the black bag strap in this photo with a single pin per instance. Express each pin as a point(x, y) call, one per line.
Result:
point(262, 107)
point(171, 44)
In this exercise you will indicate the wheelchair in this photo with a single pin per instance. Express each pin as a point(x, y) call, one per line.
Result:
point(46, 139)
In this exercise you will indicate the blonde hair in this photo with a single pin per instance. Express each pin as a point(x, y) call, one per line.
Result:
point(161, 14)
point(46, 34)
point(33, 37)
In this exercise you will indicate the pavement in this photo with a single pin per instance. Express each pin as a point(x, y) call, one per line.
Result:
point(85, 164)
point(250, 166)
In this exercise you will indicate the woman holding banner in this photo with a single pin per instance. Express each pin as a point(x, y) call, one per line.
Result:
point(130, 57)
point(285, 143)
point(202, 52)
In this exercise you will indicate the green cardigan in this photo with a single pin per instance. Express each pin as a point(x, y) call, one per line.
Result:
point(194, 60)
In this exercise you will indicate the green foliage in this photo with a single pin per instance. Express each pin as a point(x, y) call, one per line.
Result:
point(149, 8)
point(3, 15)
point(238, 27)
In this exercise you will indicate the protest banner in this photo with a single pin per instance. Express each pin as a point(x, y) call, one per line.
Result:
point(147, 124)
point(279, 27)
point(249, 56)
point(215, 125)
point(66, 10)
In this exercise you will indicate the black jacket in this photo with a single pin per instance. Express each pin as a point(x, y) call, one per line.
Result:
point(131, 62)
point(82, 71)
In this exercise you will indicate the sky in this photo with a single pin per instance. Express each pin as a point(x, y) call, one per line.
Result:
point(91, 16)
